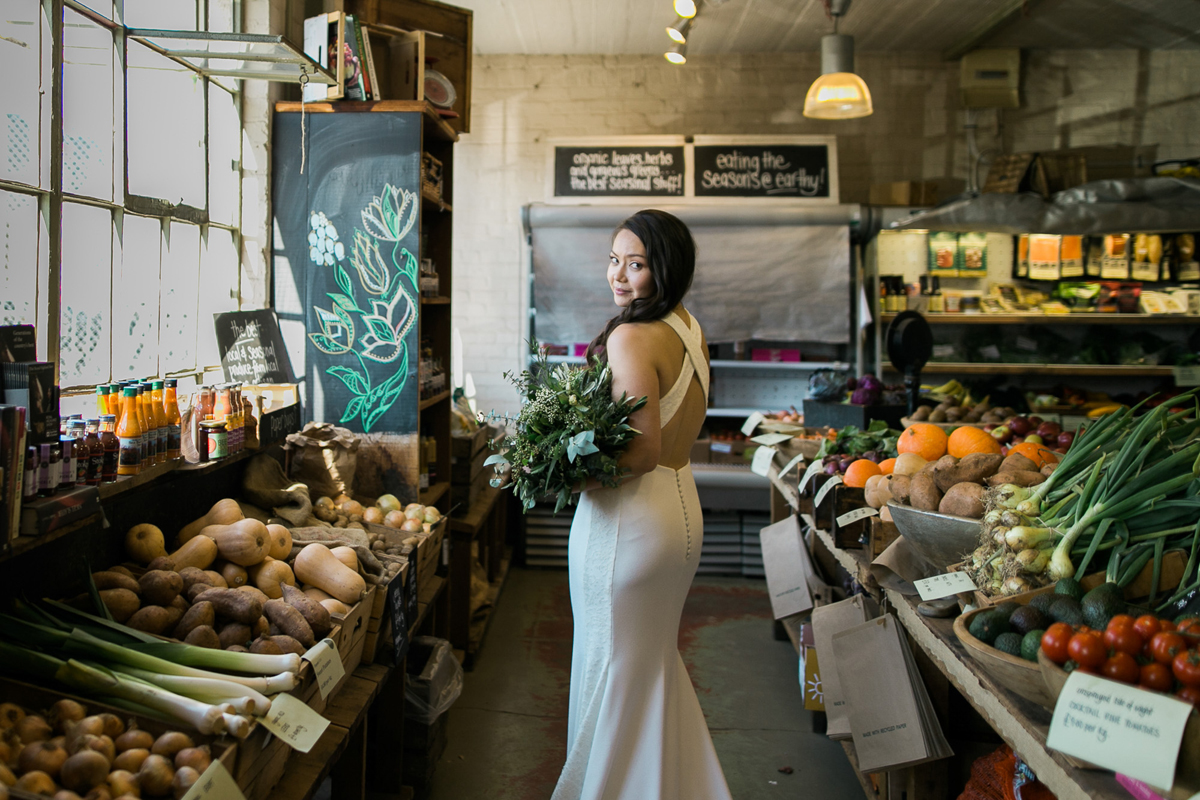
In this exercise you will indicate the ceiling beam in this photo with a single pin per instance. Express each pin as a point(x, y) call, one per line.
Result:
point(1009, 12)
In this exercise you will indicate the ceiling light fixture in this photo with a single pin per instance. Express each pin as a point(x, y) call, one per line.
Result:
point(676, 53)
point(678, 30)
point(838, 93)
point(685, 8)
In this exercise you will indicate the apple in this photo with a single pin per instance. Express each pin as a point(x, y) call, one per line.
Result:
point(1002, 434)
point(1035, 421)
point(1065, 439)
point(1033, 438)
point(991, 426)
point(1049, 430)
point(1019, 426)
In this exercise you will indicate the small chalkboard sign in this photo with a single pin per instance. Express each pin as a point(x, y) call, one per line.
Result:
point(794, 171)
point(278, 424)
point(411, 590)
point(398, 613)
point(251, 348)
point(619, 171)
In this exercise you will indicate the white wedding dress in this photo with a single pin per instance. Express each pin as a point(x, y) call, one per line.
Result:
point(635, 728)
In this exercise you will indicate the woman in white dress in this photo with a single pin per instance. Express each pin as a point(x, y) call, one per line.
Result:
point(635, 728)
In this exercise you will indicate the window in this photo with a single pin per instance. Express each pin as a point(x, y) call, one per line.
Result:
point(148, 206)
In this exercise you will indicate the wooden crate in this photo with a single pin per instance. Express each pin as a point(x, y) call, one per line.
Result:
point(468, 446)
point(844, 499)
point(377, 626)
point(429, 552)
point(882, 535)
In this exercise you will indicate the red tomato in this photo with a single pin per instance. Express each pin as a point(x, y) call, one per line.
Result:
point(1055, 640)
point(1189, 694)
point(1156, 676)
point(1189, 629)
point(1121, 667)
point(1147, 625)
point(1186, 667)
point(1167, 625)
point(1120, 621)
point(1166, 645)
point(1087, 649)
point(1124, 640)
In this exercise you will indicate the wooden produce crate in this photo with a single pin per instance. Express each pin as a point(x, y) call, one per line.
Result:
point(464, 469)
point(353, 634)
point(469, 446)
point(842, 500)
point(882, 535)
point(378, 626)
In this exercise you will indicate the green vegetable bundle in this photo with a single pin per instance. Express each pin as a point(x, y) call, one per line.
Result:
point(854, 441)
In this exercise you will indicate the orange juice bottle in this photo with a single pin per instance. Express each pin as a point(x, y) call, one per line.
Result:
point(147, 393)
point(160, 418)
point(129, 432)
point(102, 399)
point(114, 398)
point(173, 420)
point(144, 423)
point(221, 407)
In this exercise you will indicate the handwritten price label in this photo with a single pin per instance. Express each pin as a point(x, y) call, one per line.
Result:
point(215, 784)
point(791, 465)
point(856, 515)
point(771, 439)
point(813, 469)
point(940, 586)
point(295, 723)
point(752, 423)
point(826, 489)
point(763, 457)
point(327, 665)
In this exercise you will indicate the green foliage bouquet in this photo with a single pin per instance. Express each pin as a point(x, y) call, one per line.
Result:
point(570, 430)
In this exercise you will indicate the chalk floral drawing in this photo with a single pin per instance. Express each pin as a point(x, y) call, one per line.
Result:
point(389, 283)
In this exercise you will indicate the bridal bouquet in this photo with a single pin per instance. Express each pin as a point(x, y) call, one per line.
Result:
point(570, 429)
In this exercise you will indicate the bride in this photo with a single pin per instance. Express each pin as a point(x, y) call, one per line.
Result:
point(635, 728)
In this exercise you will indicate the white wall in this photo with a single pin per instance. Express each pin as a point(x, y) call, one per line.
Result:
point(1072, 98)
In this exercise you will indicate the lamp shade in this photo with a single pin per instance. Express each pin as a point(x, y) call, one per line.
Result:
point(678, 30)
point(676, 53)
point(686, 8)
point(838, 93)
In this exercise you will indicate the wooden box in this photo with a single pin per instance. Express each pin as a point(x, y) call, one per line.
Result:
point(465, 469)
point(468, 446)
point(842, 500)
point(882, 535)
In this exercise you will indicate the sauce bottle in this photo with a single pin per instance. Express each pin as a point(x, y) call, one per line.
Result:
point(78, 432)
point(95, 450)
point(221, 407)
point(112, 448)
point(50, 469)
point(237, 413)
point(129, 432)
point(206, 403)
point(29, 489)
point(171, 415)
point(160, 420)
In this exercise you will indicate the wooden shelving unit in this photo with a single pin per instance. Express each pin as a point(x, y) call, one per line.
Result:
point(1075, 318)
point(1091, 370)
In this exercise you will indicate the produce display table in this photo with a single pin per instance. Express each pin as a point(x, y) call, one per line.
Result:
point(485, 522)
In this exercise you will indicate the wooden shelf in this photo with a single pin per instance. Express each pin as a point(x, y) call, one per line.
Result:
point(470, 522)
point(434, 493)
point(427, 595)
point(479, 625)
point(1097, 370)
point(433, 401)
point(434, 124)
point(1076, 318)
point(435, 201)
point(435, 301)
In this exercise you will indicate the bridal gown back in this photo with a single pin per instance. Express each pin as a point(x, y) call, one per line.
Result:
point(635, 728)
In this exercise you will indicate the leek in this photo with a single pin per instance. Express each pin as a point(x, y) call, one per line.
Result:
point(95, 679)
point(244, 699)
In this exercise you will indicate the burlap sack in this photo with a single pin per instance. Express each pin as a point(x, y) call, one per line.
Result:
point(324, 457)
point(265, 485)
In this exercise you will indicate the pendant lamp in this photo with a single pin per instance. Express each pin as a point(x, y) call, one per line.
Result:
point(838, 93)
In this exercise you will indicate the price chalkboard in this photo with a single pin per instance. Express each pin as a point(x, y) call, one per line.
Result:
point(410, 591)
point(398, 613)
point(276, 425)
point(251, 348)
point(599, 171)
point(762, 170)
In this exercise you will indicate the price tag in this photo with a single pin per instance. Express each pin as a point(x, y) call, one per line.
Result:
point(215, 784)
point(791, 465)
point(327, 665)
point(813, 469)
point(763, 457)
point(1026, 344)
point(771, 439)
point(990, 352)
point(856, 515)
point(1187, 376)
point(1126, 729)
point(808, 520)
point(940, 586)
point(826, 489)
point(295, 723)
point(751, 423)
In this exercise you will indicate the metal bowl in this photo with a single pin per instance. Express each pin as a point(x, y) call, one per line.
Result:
point(942, 539)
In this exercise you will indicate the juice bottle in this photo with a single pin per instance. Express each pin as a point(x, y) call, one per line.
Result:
point(154, 418)
point(221, 406)
point(206, 403)
point(149, 432)
point(112, 448)
point(160, 417)
point(139, 410)
point(95, 449)
point(114, 399)
point(129, 433)
point(237, 414)
point(102, 399)
point(171, 415)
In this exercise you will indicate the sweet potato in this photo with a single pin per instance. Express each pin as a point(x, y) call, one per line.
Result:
point(938, 470)
point(266, 647)
point(924, 493)
point(974, 468)
point(900, 485)
point(150, 619)
point(202, 613)
point(288, 645)
point(234, 605)
point(235, 633)
point(1015, 461)
point(1048, 470)
point(289, 621)
point(1020, 477)
point(204, 636)
point(313, 612)
point(160, 587)
point(121, 603)
point(162, 562)
point(114, 580)
point(963, 500)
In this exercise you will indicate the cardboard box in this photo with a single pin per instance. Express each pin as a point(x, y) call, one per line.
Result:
point(49, 514)
point(904, 193)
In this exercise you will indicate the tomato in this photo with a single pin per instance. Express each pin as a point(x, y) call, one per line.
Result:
point(1166, 625)
point(1088, 649)
point(1156, 676)
point(1189, 694)
point(1054, 642)
point(1165, 645)
point(1121, 667)
point(1189, 629)
point(1120, 621)
point(1186, 666)
point(1124, 640)
point(1147, 625)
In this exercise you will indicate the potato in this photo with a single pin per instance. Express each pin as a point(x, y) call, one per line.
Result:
point(924, 493)
point(313, 612)
point(114, 580)
point(1020, 477)
point(234, 604)
point(150, 619)
point(174, 614)
point(121, 603)
point(204, 636)
point(160, 587)
point(193, 575)
point(1016, 462)
point(289, 621)
point(235, 633)
point(1048, 470)
point(974, 468)
point(963, 500)
point(266, 646)
point(288, 645)
point(201, 614)
point(900, 486)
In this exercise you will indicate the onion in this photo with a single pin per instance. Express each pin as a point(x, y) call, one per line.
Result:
point(373, 515)
point(432, 514)
point(351, 508)
point(134, 739)
point(394, 519)
point(100, 744)
point(33, 728)
point(171, 743)
point(42, 757)
point(93, 725)
point(122, 782)
point(198, 758)
point(131, 760)
point(184, 778)
point(156, 775)
point(10, 715)
point(6, 752)
point(64, 713)
point(412, 525)
point(113, 726)
point(415, 511)
point(324, 501)
point(341, 498)
point(388, 502)
point(66, 794)
point(100, 793)
point(84, 771)
point(36, 782)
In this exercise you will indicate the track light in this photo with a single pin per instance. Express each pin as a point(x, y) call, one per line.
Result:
point(678, 30)
point(685, 8)
point(676, 53)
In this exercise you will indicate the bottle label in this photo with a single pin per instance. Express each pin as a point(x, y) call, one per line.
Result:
point(174, 438)
point(131, 452)
point(108, 472)
point(70, 468)
point(162, 441)
point(29, 487)
point(95, 469)
point(81, 469)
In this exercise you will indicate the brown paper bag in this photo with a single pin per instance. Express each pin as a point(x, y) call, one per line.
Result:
point(324, 457)
point(828, 621)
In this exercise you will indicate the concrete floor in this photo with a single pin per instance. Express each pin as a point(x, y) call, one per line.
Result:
point(507, 732)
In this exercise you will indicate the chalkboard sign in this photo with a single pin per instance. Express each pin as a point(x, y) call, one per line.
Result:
point(599, 171)
point(251, 348)
point(278, 424)
point(411, 590)
point(398, 613)
point(763, 170)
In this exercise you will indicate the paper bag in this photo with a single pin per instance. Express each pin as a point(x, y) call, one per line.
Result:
point(788, 567)
point(892, 721)
point(827, 621)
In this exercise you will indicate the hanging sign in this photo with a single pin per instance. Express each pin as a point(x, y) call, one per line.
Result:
point(798, 167)
point(251, 347)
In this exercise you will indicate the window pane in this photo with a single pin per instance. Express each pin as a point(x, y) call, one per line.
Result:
point(224, 147)
point(218, 289)
point(87, 253)
point(135, 298)
point(20, 64)
point(18, 269)
point(102, 7)
point(220, 16)
point(171, 15)
point(166, 128)
point(87, 107)
point(180, 277)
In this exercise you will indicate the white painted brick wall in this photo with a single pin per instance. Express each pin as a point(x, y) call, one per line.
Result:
point(1072, 98)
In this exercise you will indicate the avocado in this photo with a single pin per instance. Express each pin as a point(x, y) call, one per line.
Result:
point(1009, 643)
point(1066, 609)
point(1030, 644)
point(1042, 601)
point(1006, 608)
point(1102, 604)
point(1070, 587)
point(1027, 618)
point(987, 626)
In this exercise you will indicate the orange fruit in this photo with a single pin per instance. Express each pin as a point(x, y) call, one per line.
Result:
point(858, 472)
point(1037, 453)
point(967, 440)
point(887, 465)
point(923, 438)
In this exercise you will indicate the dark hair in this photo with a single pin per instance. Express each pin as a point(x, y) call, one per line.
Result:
point(671, 253)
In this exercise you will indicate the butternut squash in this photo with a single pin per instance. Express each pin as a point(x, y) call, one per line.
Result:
point(244, 542)
point(223, 512)
point(268, 576)
point(199, 552)
point(317, 566)
point(144, 543)
point(335, 607)
point(347, 556)
point(233, 574)
point(314, 593)
point(281, 542)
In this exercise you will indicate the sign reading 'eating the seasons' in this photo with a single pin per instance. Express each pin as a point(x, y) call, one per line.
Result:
point(750, 170)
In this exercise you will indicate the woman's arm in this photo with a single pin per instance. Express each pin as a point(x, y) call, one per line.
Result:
point(634, 373)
